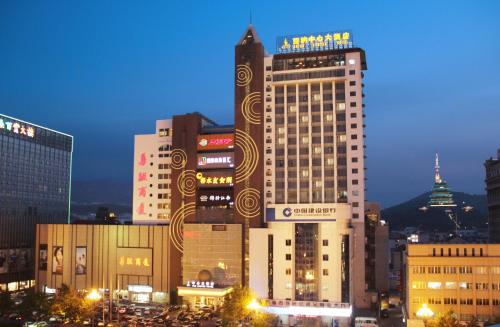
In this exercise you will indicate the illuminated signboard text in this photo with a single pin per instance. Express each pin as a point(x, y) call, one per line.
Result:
point(131, 261)
point(17, 128)
point(215, 141)
point(198, 284)
point(314, 42)
point(214, 179)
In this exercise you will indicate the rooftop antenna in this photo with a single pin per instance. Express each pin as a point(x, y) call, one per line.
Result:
point(250, 16)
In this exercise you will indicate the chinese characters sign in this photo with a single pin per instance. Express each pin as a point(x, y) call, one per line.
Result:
point(198, 284)
point(304, 212)
point(216, 160)
point(215, 197)
point(134, 261)
point(141, 179)
point(16, 127)
point(214, 179)
point(314, 42)
point(215, 142)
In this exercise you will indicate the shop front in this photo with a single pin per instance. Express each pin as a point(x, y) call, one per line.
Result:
point(197, 296)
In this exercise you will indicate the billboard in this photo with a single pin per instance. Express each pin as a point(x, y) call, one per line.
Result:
point(215, 142)
point(213, 179)
point(215, 160)
point(214, 197)
point(134, 261)
point(307, 212)
point(314, 42)
point(81, 260)
point(57, 260)
point(42, 257)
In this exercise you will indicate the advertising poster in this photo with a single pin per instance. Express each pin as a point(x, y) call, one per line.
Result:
point(81, 260)
point(215, 142)
point(43, 256)
point(57, 260)
point(13, 260)
point(3, 262)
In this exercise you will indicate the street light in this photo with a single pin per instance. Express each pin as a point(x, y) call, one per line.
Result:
point(425, 313)
point(254, 305)
point(93, 296)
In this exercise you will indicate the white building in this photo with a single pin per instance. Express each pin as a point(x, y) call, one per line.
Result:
point(152, 175)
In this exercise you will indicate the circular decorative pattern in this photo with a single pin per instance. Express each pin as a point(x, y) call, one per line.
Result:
point(179, 158)
point(243, 75)
point(177, 222)
point(186, 182)
point(247, 108)
point(250, 156)
point(248, 202)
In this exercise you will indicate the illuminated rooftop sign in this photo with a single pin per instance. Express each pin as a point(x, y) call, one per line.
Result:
point(215, 142)
point(314, 42)
point(16, 127)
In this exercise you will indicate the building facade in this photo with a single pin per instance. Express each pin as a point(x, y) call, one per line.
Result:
point(35, 188)
point(314, 137)
point(152, 175)
point(377, 249)
point(464, 278)
point(493, 193)
point(131, 262)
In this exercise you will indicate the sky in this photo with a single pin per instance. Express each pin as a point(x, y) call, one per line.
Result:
point(104, 71)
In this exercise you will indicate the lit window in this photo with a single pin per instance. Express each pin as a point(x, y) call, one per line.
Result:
point(304, 119)
point(434, 285)
point(305, 139)
point(305, 173)
point(292, 109)
point(352, 61)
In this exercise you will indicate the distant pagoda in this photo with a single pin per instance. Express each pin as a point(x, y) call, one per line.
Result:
point(441, 195)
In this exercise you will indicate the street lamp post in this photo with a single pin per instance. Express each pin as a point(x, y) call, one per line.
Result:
point(93, 296)
point(425, 313)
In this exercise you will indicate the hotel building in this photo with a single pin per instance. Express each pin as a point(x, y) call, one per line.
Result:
point(35, 179)
point(314, 172)
point(464, 278)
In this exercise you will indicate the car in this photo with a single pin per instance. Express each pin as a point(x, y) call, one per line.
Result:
point(384, 313)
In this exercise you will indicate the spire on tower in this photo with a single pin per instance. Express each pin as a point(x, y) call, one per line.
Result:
point(437, 177)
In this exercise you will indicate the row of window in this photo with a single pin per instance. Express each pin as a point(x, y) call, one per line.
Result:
point(456, 252)
point(481, 270)
point(434, 285)
point(447, 300)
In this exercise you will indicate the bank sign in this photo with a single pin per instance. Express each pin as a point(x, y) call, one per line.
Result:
point(307, 212)
point(314, 42)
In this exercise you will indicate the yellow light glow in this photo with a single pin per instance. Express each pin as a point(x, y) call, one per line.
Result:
point(254, 305)
point(94, 295)
point(425, 312)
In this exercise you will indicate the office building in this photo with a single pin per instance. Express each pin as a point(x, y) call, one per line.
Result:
point(492, 166)
point(464, 278)
point(35, 179)
point(131, 262)
point(377, 249)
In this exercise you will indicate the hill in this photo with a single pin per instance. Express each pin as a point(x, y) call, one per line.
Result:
point(408, 214)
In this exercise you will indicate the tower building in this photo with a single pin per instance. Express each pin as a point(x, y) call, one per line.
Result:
point(441, 195)
point(492, 167)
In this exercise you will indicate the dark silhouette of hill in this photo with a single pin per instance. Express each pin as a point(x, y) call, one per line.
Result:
point(408, 214)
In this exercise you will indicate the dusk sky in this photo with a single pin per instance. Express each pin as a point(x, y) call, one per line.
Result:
point(103, 71)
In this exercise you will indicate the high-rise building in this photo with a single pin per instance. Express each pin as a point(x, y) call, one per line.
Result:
point(377, 249)
point(35, 181)
point(492, 166)
point(152, 175)
point(314, 179)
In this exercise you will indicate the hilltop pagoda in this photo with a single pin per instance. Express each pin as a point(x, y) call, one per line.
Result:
point(441, 195)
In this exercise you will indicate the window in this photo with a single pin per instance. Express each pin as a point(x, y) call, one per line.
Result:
point(352, 83)
point(483, 301)
point(481, 270)
point(288, 256)
point(352, 93)
point(354, 137)
point(353, 104)
point(354, 159)
point(448, 300)
point(481, 286)
point(354, 147)
point(450, 285)
point(449, 270)
point(495, 270)
point(433, 270)
point(353, 115)
point(434, 300)
point(325, 242)
point(288, 242)
point(325, 257)
point(465, 286)
point(418, 285)
point(354, 170)
point(434, 285)
point(325, 272)
point(352, 72)
point(354, 182)
point(466, 301)
point(288, 271)
point(465, 270)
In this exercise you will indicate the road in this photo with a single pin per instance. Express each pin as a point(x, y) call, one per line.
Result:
point(395, 318)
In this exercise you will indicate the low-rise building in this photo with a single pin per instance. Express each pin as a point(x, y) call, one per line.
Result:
point(464, 278)
point(131, 262)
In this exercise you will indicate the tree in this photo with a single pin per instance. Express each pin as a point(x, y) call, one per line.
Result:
point(35, 301)
point(447, 319)
point(71, 305)
point(473, 323)
point(6, 302)
point(236, 310)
